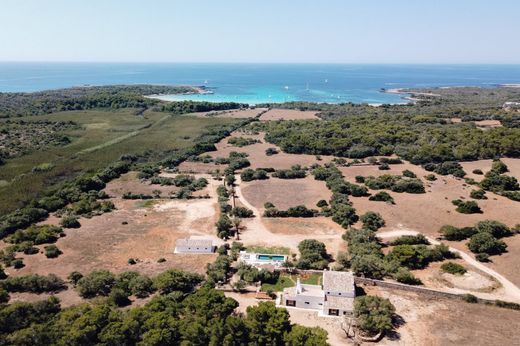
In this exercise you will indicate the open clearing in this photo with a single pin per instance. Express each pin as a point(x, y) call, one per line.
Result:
point(427, 212)
point(153, 226)
point(259, 159)
point(285, 193)
point(233, 113)
point(288, 114)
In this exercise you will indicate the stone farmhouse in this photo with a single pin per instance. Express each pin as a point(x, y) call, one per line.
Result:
point(334, 298)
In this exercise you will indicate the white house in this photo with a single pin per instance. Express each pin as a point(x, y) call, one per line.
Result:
point(188, 245)
point(334, 298)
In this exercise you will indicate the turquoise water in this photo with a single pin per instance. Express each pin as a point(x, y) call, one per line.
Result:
point(271, 258)
point(256, 83)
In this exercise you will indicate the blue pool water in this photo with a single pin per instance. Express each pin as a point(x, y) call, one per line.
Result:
point(255, 83)
point(271, 258)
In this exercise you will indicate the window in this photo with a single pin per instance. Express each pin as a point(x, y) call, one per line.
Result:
point(290, 302)
point(334, 312)
point(307, 303)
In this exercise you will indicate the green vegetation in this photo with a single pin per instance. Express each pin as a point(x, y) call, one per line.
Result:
point(271, 250)
point(382, 196)
point(478, 194)
point(296, 172)
point(271, 151)
point(287, 280)
point(256, 174)
point(177, 315)
point(52, 251)
point(453, 268)
point(33, 283)
point(384, 134)
point(374, 314)
point(395, 183)
point(313, 255)
point(372, 221)
point(298, 211)
point(242, 141)
point(411, 240)
point(467, 207)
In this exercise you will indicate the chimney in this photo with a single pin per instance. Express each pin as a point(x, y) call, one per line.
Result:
point(299, 288)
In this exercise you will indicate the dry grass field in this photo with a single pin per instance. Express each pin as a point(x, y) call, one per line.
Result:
point(143, 230)
point(286, 193)
point(233, 113)
point(259, 159)
point(288, 114)
point(427, 212)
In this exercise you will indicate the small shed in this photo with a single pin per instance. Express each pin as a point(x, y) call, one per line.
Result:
point(189, 245)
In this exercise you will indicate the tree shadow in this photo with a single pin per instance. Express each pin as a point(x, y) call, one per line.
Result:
point(398, 321)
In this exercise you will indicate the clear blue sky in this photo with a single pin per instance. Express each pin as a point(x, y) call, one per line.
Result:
point(338, 31)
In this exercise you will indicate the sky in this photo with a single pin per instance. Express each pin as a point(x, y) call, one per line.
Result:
point(261, 31)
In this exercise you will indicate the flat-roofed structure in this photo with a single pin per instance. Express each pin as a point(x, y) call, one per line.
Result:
point(190, 245)
point(334, 298)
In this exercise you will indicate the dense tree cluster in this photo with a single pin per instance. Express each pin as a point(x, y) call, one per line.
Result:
point(484, 237)
point(82, 98)
point(253, 174)
point(395, 183)
point(296, 172)
point(183, 107)
point(374, 314)
point(313, 255)
point(298, 211)
point(179, 314)
point(418, 142)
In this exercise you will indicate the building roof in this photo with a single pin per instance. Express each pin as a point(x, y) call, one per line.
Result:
point(342, 303)
point(338, 281)
point(307, 290)
point(194, 242)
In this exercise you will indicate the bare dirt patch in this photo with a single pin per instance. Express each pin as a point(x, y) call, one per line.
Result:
point(130, 183)
point(288, 114)
point(427, 212)
point(434, 321)
point(234, 113)
point(485, 124)
point(285, 193)
point(259, 159)
point(485, 166)
point(143, 230)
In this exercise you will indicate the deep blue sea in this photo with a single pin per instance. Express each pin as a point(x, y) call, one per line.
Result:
point(256, 83)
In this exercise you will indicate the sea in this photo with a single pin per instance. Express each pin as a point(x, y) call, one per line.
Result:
point(260, 83)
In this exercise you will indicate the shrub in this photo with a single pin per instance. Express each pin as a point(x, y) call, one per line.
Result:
point(495, 228)
point(131, 261)
point(453, 268)
point(98, 282)
point(296, 172)
point(322, 203)
point(478, 171)
point(498, 167)
point(4, 296)
point(430, 177)
point(118, 297)
point(52, 251)
point(224, 227)
point(382, 196)
point(18, 263)
point(176, 280)
point(74, 277)
point(33, 283)
point(404, 276)
point(70, 221)
point(374, 314)
point(372, 221)
point(242, 212)
point(478, 194)
point(242, 141)
point(484, 242)
point(36, 234)
point(411, 240)
point(456, 234)
point(313, 255)
point(271, 151)
point(409, 174)
point(466, 207)
point(470, 298)
point(482, 257)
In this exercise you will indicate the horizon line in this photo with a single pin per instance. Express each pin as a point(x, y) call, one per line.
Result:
point(250, 63)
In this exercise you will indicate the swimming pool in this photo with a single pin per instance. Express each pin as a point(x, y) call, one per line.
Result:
point(271, 258)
